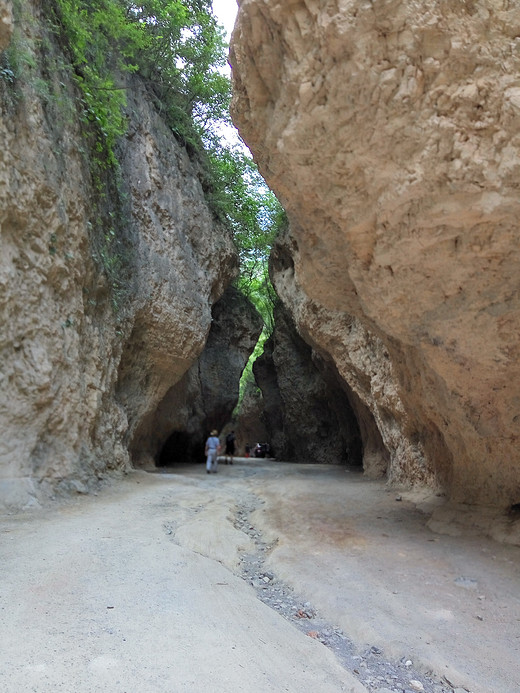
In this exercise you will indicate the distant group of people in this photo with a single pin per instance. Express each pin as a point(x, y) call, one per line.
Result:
point(260, 450)
point(213, 447)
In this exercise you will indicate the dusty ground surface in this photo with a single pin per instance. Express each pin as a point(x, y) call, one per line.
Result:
point(265, 577)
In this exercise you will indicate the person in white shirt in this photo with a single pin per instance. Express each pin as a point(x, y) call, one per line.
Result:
point(211, 451)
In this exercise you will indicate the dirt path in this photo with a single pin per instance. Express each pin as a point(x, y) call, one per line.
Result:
point(153, 586)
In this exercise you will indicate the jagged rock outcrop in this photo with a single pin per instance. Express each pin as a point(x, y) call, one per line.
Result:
point(264, 371)
point(234, 333)
point(390, 132)
point(249, 425)
point(207, 394)
point(103, 306)
point(307, 415)
point(391, 443)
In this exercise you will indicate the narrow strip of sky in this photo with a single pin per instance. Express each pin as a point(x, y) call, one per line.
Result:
point(226, 11)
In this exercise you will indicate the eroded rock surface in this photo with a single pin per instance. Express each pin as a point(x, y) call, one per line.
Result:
point(6, 24)
point(207, 394)
point(103, 306)
point(391, 133)
point(307, 415)
point(250, 427)
point(392, 444)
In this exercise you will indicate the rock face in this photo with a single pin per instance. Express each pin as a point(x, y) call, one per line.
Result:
point(207, 394)
point(98, 319)
point(391, 443)
point(6, 24)
point(307, 415)
point(235, 330)
point(391, 133)
point(272, 412)
point(183, 261)
point(250, 427)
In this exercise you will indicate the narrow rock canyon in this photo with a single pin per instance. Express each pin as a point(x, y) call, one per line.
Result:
point(390, 133)
point(376, 549)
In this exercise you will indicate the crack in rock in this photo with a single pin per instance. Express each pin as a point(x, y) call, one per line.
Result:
point(376, 672)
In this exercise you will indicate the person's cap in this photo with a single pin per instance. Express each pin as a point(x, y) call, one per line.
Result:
point(214, 432)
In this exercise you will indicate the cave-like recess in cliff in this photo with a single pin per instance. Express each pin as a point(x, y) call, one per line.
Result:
point(179, 448)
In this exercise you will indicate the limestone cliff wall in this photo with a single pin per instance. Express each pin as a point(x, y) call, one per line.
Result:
point(100, 315)
point(390, 130)
point(206, 395)
point(307, 414)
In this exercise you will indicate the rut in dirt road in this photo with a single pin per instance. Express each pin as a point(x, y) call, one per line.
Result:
point(383, 591)
point(370, 665)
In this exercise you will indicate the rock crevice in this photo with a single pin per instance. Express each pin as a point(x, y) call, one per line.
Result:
point(206, 395)
point(308, 415)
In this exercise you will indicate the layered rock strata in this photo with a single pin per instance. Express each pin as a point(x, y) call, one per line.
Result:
point(307, 415)
point(103, 306)
point(391, 133)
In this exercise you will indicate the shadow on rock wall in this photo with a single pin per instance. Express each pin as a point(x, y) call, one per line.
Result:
point(307, 412)
point(208, 392)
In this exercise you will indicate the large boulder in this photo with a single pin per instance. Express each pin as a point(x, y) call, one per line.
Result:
point(390, 130)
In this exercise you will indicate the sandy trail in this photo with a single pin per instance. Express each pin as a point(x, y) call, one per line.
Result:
point(137, 589)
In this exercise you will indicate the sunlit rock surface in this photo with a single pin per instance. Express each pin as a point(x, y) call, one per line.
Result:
point(391, 133)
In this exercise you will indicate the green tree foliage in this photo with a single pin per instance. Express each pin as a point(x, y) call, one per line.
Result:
point(256, 217)
point(259, 218)
point(247, 205)
point(100, 42)
point(184, 52)
point(176, 45)
point(179, 49)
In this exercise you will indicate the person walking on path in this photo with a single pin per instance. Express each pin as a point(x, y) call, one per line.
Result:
point(230, 447)
point(211, 451)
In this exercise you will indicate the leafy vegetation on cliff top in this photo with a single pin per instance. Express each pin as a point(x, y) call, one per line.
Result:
point(179, 49)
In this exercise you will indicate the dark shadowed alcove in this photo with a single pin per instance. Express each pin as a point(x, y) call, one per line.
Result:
point(180, 447)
